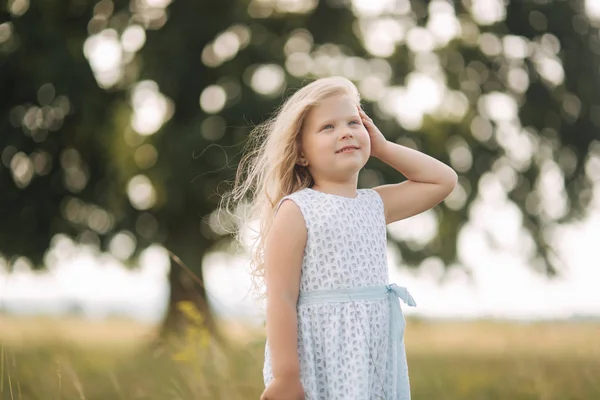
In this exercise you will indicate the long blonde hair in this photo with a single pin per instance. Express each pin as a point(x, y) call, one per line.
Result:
point(269, 170)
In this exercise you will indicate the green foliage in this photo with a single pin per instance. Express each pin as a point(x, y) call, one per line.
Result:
point(74, 163)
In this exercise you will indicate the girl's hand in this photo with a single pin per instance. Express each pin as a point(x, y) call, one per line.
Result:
point(284, 389)
point(378, 141)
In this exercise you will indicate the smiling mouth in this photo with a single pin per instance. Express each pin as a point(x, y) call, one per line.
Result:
point(347, 149)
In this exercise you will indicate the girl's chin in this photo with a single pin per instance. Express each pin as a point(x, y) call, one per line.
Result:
point(350, 163)
point(351, 166)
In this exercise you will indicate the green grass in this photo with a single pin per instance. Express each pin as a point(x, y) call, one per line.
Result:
point(70, 359)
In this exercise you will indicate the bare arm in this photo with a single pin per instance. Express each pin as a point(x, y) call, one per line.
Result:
point(429, 182)
point(284, 248)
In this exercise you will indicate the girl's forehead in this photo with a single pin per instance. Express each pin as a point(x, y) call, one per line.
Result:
point(334, 107)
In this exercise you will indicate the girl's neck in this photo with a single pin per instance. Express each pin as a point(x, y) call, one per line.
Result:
point(338, 189)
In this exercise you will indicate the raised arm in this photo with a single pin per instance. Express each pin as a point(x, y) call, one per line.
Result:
point(284, 248)
point(429, 180)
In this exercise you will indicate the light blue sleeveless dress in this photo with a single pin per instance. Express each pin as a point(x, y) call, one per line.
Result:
point(350, 324)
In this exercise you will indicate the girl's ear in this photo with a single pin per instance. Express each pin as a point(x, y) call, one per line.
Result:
point(302, 161)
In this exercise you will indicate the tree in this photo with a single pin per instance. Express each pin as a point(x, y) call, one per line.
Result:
point(126, 118)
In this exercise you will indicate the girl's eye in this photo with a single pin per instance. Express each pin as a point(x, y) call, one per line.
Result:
point(355, 122)
point(328, 126)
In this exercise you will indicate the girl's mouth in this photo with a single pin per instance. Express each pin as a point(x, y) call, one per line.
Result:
point(347, 149)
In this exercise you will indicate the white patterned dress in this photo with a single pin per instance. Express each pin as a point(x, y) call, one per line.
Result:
point(346, 348)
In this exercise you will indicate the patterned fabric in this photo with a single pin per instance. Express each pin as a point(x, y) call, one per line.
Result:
point(344, 348)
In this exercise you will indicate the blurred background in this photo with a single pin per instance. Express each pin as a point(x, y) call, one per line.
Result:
point(122, 122)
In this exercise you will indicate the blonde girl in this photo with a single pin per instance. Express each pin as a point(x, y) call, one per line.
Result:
point(334, 322)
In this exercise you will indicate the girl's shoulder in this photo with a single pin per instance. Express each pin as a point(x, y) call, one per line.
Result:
point(300, 197)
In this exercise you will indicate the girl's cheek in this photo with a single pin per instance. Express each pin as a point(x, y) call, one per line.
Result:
point(366, 136)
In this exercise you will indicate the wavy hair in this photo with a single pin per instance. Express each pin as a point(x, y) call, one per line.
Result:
point(269, 171)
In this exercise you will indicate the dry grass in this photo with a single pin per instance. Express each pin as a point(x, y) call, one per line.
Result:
point(497, 337)
point(45, 359)
point(15, 331)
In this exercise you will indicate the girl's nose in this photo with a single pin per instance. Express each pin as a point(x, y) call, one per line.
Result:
point(346, 134)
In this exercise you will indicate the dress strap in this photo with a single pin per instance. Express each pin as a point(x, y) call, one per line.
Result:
point(299, 198)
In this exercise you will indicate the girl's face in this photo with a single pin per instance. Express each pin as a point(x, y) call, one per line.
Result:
point(334, 141)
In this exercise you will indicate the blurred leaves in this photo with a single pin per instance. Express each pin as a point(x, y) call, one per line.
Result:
point(121, 120)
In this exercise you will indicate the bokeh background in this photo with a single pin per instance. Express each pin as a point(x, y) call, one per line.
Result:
point(122, 122)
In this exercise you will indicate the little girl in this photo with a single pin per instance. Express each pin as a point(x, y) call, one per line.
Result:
point(334, 323)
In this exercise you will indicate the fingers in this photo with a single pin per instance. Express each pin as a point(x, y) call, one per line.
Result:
point(364, 115)
point(367, 121)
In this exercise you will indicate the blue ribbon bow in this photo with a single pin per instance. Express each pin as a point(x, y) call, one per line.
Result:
point(392, 291)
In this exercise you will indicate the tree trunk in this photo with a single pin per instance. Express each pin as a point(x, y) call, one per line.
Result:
point(186, 285)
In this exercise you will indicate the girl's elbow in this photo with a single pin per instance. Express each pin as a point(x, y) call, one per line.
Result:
point(449, 182)
point(450, 179)
point(453, 178)
point(285, 297)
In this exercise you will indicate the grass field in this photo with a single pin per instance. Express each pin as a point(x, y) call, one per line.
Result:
point(67, 359)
